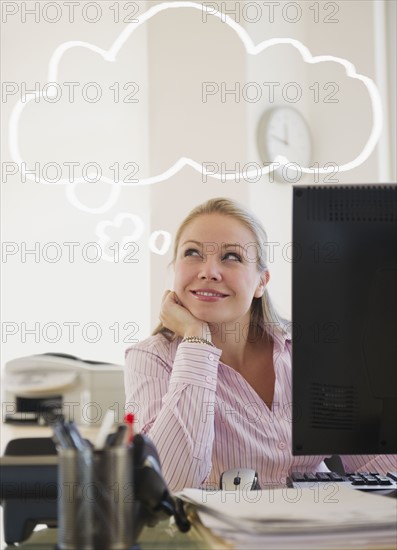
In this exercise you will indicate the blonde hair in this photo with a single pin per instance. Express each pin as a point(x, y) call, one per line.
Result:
point(264, 318)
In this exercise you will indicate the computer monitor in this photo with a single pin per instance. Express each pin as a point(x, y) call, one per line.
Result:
point(344, 313)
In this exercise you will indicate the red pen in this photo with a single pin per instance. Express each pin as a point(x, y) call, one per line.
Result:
point(129, 421)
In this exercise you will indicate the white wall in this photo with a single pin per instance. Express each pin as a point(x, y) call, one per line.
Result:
point(169, 57)
point(101, 297)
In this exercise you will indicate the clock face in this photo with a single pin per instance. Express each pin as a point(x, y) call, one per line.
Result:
point(283, 131)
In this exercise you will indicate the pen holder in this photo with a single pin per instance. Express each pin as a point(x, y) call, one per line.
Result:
point(95, 499)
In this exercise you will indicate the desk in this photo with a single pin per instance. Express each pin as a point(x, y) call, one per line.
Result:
point(164, 537)
point(161, 537)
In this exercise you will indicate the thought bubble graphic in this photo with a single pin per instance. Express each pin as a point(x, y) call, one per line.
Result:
point(251, 49)
point(130, 238)
point(126, 248)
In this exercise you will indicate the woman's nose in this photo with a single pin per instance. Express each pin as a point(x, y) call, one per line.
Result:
point(210, 270)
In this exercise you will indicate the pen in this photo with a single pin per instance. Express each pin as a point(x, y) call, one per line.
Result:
point(116, 438)
point(129, 421)
point(62, 436)
point(80, 443)
point(105, 429)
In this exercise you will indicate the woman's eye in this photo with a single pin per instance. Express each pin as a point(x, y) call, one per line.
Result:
point(191, 252)
point(232, 256)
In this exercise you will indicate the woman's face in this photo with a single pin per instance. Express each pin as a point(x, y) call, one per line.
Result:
point(216, 274)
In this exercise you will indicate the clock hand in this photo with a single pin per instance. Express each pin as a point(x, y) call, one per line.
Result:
point(286, 134)
point(279, 139)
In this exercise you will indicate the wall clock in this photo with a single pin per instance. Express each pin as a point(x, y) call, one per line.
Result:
point(284, 131)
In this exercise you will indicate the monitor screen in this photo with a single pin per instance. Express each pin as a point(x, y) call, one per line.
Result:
point(344, 313)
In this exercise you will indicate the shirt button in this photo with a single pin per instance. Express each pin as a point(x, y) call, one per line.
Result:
point(282, 445)
point(209, 379)
point(283, 480)
point(211, 357)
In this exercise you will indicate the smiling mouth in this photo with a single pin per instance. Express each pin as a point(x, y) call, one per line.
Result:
point(208, 294)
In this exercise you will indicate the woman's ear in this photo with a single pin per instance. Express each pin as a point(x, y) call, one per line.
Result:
point(265, 276)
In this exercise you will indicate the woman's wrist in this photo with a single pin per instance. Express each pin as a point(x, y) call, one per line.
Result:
point(197, 340)
point(198, 331)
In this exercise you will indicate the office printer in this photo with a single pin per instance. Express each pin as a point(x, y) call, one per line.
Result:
point(41, 388)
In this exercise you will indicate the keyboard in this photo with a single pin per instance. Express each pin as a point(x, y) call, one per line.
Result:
point(365, 481)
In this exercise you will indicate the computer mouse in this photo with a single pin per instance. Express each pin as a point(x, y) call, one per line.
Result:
point(239, 479)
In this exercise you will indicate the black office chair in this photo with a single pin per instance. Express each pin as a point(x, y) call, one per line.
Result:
point(31, 446)
point(22, 512)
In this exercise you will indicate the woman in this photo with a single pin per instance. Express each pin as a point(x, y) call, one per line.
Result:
point(212, 386)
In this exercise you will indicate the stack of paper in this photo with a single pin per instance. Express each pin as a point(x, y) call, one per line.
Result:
point(327, 516)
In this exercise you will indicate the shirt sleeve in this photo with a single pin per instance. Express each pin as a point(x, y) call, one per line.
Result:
point(370, 463)
point(173, 405)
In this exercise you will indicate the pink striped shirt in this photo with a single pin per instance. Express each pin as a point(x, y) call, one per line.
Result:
point(205, 418)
